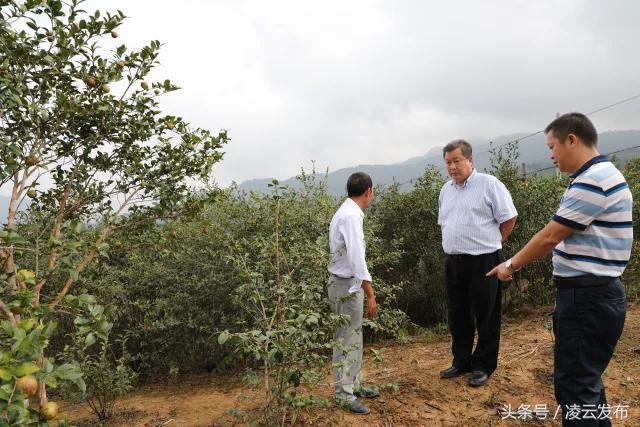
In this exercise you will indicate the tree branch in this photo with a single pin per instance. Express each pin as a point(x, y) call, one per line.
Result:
point(53, 256)
point(89, 256)
point(8, 313)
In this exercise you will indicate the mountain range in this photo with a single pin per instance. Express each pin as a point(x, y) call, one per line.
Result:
point(533, 152)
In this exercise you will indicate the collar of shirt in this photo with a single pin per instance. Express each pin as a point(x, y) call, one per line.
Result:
point(469, 178)
point(353, 206)
point(597, 159)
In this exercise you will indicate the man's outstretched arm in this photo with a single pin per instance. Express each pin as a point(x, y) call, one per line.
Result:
point(541, 244)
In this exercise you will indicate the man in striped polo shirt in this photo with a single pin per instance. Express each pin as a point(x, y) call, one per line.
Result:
point(476, 214)
point(591, 237)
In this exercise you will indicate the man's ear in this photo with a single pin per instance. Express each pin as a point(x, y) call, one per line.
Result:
point(572, 139)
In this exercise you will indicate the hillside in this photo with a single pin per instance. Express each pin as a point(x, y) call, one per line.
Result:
point(412, 393)
point(533, 151)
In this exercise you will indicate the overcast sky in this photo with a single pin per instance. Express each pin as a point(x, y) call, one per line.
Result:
point(353, 82)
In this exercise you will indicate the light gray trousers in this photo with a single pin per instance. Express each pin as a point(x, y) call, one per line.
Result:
point(347, 346)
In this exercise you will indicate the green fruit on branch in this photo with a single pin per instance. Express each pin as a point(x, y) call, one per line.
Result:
point(49, 411)
point(32, 193)
point(31, 160)
point(144, 85)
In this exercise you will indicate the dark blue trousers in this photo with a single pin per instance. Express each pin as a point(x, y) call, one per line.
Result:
point(588, 322)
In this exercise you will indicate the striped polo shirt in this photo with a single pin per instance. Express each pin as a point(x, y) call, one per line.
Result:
point(597, 205)
point(470, 214)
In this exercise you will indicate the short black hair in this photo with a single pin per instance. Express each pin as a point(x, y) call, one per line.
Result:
point(577, 124)
point(358, 183)
point(463, 145)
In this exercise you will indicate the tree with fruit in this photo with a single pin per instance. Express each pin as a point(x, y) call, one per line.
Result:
point(84, 141)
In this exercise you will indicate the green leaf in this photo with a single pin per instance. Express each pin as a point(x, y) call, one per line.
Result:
point(26, 276)
point(223, 337)
point(80, 227)
point(26, 368)
point(54, 241)
point(272, 353)
point(51, 381)
point(90, 340)
point(104, 327)
point(19, 335)
point(68, 372)
point(81, 384)
point(97, 310)
point(5, 374)
point(8, 328)
point(74, 244)
point(5, 393)
point(16, 238)
point(87, 299)
point(27, 324)
point(312, 319)
point(48, 329)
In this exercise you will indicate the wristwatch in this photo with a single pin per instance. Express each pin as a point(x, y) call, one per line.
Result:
point(508, 265)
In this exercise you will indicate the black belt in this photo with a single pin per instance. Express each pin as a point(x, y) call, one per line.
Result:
point(460, 257)
point(340, 277)
point(586, 281)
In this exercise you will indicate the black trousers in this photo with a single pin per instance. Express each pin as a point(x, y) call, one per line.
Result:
point(588, 322)
point(474, 302)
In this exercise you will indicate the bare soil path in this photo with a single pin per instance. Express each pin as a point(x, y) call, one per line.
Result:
point(413, 394)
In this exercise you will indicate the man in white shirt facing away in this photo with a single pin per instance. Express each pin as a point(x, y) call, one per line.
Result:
point(349, 281)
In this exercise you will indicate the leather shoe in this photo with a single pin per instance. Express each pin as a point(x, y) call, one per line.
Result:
point(453, 372)
point(356, 407)
point(478, 378)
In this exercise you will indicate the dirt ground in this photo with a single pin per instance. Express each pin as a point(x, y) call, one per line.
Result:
point(412, 392)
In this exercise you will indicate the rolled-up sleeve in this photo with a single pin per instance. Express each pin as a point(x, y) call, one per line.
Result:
point(351, 229)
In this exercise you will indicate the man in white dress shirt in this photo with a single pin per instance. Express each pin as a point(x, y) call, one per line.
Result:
point(349, 281)
point(476, 215)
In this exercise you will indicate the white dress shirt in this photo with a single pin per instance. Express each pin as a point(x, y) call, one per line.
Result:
point(346, 244)
point(470, 214)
